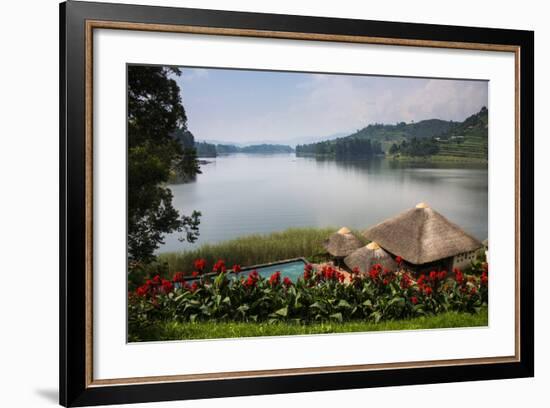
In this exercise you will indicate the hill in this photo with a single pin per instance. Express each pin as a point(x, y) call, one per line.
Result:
point(212, 150)
point(467, 140)
point(267, 149)
point(381, 136)
point(436, 138)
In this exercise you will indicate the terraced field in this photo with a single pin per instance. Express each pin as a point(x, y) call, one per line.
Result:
point(473, 147)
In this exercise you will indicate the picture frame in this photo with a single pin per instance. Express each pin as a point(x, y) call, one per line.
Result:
point(78, 20)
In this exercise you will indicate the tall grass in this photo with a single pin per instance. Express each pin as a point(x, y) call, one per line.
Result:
point(172, 330)
point(256, 249)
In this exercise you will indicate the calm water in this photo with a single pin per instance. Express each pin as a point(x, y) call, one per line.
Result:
point(246, 194)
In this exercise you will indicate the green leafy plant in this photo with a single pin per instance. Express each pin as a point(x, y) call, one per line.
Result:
point(320, 295)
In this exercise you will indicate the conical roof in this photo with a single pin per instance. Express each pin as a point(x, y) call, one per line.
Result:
point(342, 243)
point(366, 257)
point(421, 235)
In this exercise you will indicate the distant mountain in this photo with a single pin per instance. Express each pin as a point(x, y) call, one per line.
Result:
point(212, 150)
point(287, 142)
point(267, 149)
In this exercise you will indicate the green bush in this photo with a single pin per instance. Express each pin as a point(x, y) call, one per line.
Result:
point(323, 295)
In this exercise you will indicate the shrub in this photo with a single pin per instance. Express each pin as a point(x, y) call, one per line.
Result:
point(320, 295)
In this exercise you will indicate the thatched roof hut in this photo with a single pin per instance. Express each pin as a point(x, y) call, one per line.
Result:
point(422, 235)
point(342, 243)
point(366, 257)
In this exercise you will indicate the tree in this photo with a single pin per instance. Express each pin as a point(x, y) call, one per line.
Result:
point(155, 112)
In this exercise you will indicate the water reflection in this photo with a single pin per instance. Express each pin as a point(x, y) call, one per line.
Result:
point(244, 194)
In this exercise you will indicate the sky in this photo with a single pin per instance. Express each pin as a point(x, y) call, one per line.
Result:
point(244, 106)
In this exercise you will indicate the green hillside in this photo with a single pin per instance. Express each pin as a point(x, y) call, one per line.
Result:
point(468, 139)
point(381, 136)
point(433, 139)
point(464, 141)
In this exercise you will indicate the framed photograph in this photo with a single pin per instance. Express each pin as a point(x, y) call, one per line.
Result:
point(256, 203)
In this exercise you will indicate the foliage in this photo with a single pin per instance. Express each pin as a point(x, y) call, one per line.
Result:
point(465, 140)
point(320, 295)
point(176, 330)
point(416, 147)
point(266, 149)
point(254, 149)
point(205, 149)
point(342, 148)
point(446, 139)
point(155, 113)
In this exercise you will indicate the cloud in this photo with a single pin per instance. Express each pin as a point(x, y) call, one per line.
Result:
point(241, 106)
point(190, 74)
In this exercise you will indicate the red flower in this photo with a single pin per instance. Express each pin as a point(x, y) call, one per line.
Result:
point(251, 280)
point(399, 260)
point(194, 286)
point(143, 290)
point(178, 277)
point(329, 273)
point(414, 300)
point(406, 281)
point(433, 275)
point(275, 279)
point(355, 271)
point(373, 273)
point(484, 278)
point(427, 291)
point(341, 277)
point(167, 286)
point(194, 274)
point(458, 276)
point(219, 266)
point(473, 291)
point(156, 281)
point(386, 282)
point(236, 268)
point(420, 281)
point(200, 264)
point(442, 275)
point(287, 282)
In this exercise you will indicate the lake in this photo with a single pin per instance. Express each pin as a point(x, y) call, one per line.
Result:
point(244, 194)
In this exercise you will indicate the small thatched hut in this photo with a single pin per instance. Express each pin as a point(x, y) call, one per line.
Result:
point(342, 243)
point(366, 257)
point(422, 236)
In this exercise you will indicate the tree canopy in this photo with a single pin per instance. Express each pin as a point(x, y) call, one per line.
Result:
point(155, 114)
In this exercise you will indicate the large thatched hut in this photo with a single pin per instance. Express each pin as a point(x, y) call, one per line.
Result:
point(366, 257)
point(424, 238)
point(342, 243)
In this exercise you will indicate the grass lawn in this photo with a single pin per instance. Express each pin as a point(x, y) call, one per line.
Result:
point(205, 330)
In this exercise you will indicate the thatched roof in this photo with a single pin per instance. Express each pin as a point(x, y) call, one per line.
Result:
point(366, 257)
point(342, 243)
point(422, 235)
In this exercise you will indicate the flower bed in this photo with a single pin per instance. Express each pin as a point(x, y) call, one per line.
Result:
point(320, 295)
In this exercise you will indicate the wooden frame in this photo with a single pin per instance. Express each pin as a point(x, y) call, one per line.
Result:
point(77, 22)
